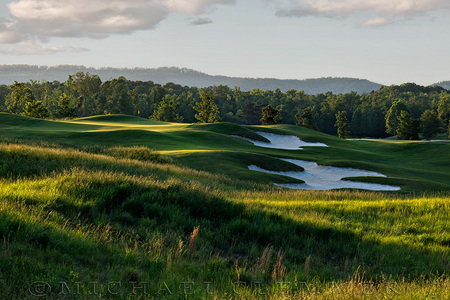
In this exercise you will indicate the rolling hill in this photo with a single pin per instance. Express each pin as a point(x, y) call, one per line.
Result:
point(186, 77)
point(104, 207)
point(444, 84)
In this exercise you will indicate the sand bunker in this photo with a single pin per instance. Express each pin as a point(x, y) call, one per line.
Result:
point(280, 141)
point(316, 177)
point(326, 177)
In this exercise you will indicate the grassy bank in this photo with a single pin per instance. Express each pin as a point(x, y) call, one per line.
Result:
point(97, 220)
point(414, 166)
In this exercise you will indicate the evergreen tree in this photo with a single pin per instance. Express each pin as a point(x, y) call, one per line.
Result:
point(250, 112)
point(208, 112)
point(342, 124)
point(358, 124)
point(306, 119)
point(408, 128)
point(392, 116)
point(166, 110)
point(430, 124)
point(270, 116)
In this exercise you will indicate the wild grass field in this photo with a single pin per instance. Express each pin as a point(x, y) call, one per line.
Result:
point(106, 208)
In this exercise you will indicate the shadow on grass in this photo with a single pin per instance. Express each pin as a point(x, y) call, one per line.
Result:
point(232, 229)
point(108, 193)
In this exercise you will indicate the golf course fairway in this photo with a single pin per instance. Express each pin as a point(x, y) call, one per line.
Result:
point(116, 207)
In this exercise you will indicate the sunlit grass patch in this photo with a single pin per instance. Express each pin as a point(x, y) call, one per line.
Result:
point(103, 212)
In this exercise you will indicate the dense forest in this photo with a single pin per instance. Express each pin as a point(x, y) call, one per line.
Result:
point(407, 109)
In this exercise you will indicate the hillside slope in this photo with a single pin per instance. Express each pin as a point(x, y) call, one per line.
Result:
point(88, 211)
point(444, 84)
point(186, 77)
point(415, 166)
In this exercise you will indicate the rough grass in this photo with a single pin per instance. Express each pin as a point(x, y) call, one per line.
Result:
point(70, 218)
point(98, 208)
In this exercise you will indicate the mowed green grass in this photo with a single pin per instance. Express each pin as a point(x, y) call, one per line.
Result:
point(101, 207)
point(414, 166)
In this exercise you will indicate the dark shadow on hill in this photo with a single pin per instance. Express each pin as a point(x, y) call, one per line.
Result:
point(230, 129)
point(174, 140)
point(229, 228)
point(121, 119)
point(234, 164)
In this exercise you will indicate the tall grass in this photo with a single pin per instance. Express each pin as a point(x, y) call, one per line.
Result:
point(193, 241)
point(69, 218)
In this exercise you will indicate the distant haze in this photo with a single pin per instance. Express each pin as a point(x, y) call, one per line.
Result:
point(186, 77)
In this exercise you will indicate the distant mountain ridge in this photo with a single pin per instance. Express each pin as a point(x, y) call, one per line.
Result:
point(444, 84)
point(186, 77)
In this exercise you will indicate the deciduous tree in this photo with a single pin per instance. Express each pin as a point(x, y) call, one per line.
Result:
point(408, 128)
point(444, 111)
point(166, 110)
point(430, 124)
point(65, 110)
point(270, 116)
point(306, 119)
point(358, 123)
point(392, 116)
point(34, 108)
point(448, 130)
point(15, 102)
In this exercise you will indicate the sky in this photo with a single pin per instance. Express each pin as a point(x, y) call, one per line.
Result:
point(386, 41)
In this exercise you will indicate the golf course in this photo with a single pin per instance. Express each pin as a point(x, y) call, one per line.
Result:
point(122, 207)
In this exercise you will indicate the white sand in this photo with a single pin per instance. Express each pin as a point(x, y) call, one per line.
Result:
point(326, 177)
point(316, 177)
point(279, 141)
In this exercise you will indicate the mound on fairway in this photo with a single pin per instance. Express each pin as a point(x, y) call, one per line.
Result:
point(125, 119)
point(413, 166)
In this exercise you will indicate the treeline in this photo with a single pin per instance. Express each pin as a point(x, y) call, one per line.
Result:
point(376, 114)
point(189, 77)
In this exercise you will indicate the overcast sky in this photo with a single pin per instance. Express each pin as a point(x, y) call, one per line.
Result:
point(386, 41)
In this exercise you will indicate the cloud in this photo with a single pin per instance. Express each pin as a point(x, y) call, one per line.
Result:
point(376, 22)
point(31, 48)
point(97, 19)
point(192, 7)
point(8, 32)
point(40, 20)
point(199, 21)
point(342, 8)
